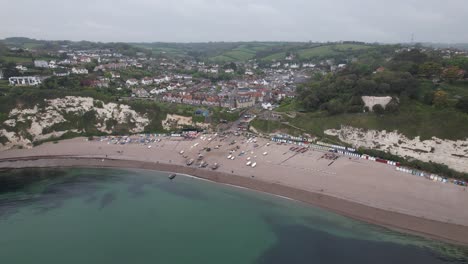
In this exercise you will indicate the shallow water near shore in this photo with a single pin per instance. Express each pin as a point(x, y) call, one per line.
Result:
point(137, 216)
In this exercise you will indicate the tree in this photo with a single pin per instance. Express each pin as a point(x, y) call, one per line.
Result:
point(429, 69)
point(462, 104)
point(335, 107)
point(10, 70)
point(452, 73)
point(460, 62)
point(440, 99)
point(428, 98)
point(393, 106)
point(378, 109)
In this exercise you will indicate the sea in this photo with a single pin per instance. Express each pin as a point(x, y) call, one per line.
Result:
point(137, 216)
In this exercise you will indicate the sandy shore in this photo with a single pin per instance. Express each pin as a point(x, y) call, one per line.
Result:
point(356, 188)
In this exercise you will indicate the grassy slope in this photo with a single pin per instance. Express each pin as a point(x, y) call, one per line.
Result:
point(17, 59)
point(243, 52)
point(320, 51)
point(329, 50)
point(414, 119)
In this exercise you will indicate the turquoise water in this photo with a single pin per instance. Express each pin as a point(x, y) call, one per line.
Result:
point(136, 216)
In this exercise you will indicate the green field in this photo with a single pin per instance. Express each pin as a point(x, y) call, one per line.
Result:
point(414, 119)
point(8, 59)
point(329, 50)
point(243, 52)
point(275, 56)
point(233, 56)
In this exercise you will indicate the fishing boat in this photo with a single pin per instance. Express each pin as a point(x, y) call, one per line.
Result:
point(190, 162)
point(172, 176)
point(215, 166)
point(248, 163)
point(254, 165)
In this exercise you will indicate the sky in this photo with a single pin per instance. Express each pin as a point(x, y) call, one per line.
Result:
point(385, 21)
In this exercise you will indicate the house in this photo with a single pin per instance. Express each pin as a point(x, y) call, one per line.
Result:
point(147, 81)
point(79, 71)
point(294, 66)
point(267, 106)
point(229, 71)
point(140, 92)
point(52, 65)
point(41, 64)
point(115, 75)
point(131, 82)
point(24, 81)
point(276, 65)
point(21, 68)
point(245, 102)
point(85, 59)
point(1, 74)
point(100, 83)
point(157, 91)
point(61, 73)
point(379, 70)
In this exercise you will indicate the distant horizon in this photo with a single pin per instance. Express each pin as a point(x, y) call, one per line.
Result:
point(201, 21)
point(240, 41)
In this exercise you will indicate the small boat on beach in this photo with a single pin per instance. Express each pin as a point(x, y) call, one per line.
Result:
point(215, 166)
point(172, 176)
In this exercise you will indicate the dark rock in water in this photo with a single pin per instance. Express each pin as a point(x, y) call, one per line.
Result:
point(107, 199)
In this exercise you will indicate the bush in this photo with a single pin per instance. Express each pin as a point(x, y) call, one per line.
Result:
point(462, 104)
point(392, 107)
point(378, 109)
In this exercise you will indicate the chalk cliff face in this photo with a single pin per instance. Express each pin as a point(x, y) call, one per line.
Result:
point(451, 153)
point(70, 114)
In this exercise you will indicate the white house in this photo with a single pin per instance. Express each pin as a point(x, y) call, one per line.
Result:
point(146, 81)
point(157, 91)
point(52, 65)
point(276, 65)
point(41, 64)
point(308, 65)
point(24, 81)
point(294, 66)
point(229, 71)
point(131, 82)
point(79, 71)
point(21, 68)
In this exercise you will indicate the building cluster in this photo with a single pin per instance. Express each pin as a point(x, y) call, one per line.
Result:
point(184, 81)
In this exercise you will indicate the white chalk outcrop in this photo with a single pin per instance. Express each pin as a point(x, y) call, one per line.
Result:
point(449, 152)
point(38, 122)
point(371, 101)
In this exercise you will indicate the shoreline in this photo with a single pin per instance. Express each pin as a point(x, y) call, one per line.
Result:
point(420, 226)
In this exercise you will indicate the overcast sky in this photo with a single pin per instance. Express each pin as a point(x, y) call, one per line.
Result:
point(236, 20)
